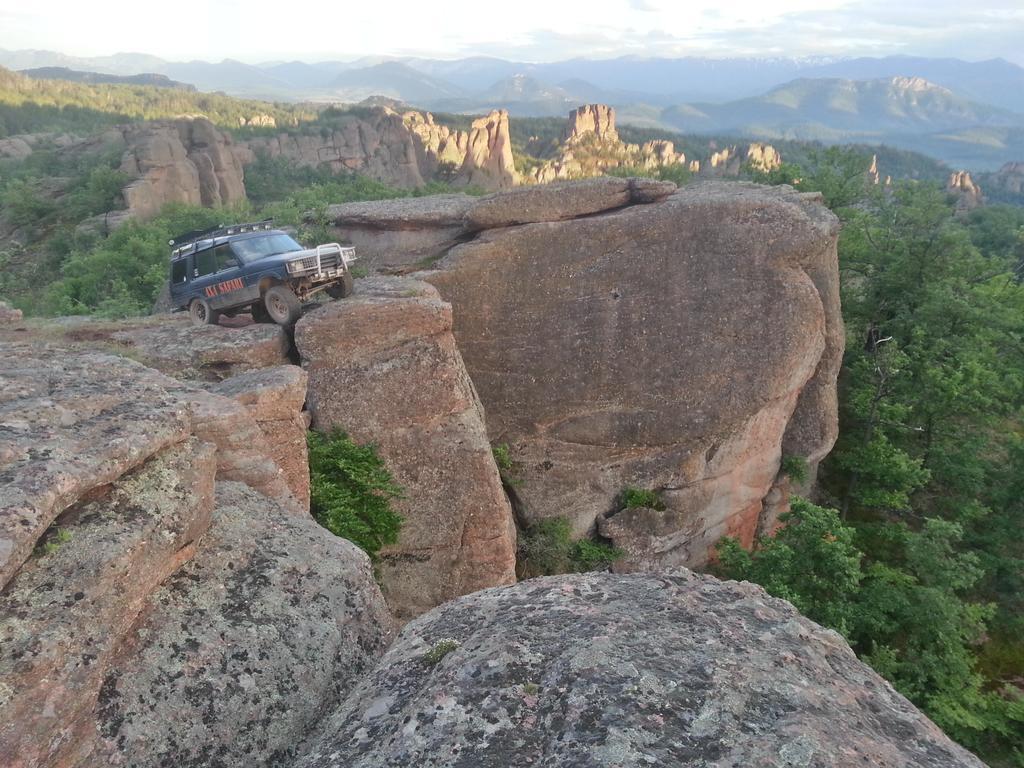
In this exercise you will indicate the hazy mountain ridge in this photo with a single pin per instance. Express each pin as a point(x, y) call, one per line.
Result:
point(965, 113)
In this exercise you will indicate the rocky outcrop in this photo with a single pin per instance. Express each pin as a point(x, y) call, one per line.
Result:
point(600, 670)
point(21, 146)
point(596, 120)
point(967, 192)
point(184, 161)
point(375, 143)
point(405, 149)
point(683, 344)
point(591, 145)
point(142, 620)
point(391, 234)
point(384, 367)
point(763, 157)
point(488, 162)
point(174, 346)
point(275, 397)
point(680, 346)
point(63, 615)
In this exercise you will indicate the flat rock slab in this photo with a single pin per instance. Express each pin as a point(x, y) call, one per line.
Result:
point(64, 615)
point(403, 212)
point(562, 200)
point(209, 352)
point(607, 671)
point(413, 231)
point(243, 649)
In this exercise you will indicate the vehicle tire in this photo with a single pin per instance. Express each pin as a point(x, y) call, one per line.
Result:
point(342, 289)
point(260, 314)
point(282, 305)
point(201, 313)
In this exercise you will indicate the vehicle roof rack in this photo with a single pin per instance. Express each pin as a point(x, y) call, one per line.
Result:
point(182, 242)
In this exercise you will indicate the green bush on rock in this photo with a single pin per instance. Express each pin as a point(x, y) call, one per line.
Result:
point(351, 491)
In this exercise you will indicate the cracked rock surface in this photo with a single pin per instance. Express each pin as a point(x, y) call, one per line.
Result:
point(615, 671)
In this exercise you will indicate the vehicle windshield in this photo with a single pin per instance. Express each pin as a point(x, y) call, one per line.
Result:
point(255, 248)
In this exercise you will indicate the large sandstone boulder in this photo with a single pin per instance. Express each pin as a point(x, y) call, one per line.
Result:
point(384, 367)
point(74, 421)
point(141, 622)
point(63, 615)
point(607, 671)
point(680, 346)
point(239, 653)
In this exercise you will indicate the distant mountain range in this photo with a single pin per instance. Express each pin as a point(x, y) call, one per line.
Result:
point(76, 76)
point(960, 111)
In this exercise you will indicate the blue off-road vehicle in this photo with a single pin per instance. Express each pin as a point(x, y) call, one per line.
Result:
point(253, 267)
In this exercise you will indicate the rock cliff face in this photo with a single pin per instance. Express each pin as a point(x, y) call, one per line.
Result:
point(406, 149)
point(162, 597)
point(672, 669)
point(597, 120)
point(680, 346)
point(384, 367)
point(184, 161)
point(621, 335)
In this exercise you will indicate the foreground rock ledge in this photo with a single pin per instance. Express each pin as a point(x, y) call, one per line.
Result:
point(597, 670)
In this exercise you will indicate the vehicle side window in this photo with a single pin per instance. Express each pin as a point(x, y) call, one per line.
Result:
point(206, 264)
point(224, 257)
point(178, 274)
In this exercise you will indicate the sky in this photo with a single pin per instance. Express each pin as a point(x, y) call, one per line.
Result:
point(527, 30)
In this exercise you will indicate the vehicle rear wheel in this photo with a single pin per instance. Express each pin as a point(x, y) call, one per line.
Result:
point(260, 314)
point(201, 313)
point(342, 288)
point(282, 305)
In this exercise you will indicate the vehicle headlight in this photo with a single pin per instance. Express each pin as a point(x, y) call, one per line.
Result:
point(295, 266)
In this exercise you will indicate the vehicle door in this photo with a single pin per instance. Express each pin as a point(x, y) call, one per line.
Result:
point(226, 288)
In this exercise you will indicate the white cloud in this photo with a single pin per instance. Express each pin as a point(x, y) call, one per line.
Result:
point(260, 30)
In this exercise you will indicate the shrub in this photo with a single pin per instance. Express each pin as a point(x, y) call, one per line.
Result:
point(640, 497)
point(351, 491)
point(546, 548)
point(502, 457)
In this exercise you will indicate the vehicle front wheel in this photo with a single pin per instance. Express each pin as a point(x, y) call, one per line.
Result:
point(282, 305)
point(201, 313)
point(342, 288)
